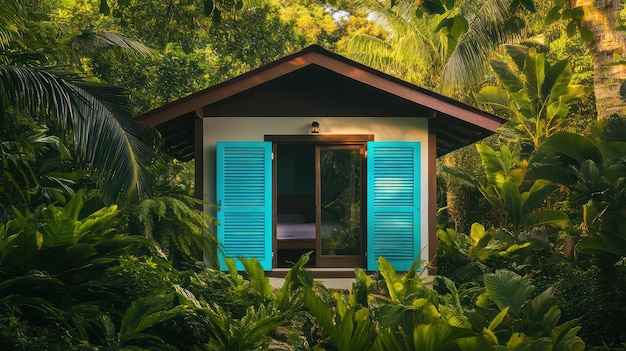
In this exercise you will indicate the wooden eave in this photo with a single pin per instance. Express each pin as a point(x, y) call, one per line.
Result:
point(316, 82)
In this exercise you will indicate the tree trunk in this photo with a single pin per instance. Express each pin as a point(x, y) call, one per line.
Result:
point(601, 18)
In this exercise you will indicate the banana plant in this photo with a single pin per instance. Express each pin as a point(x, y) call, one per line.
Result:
point(535, 94)
point(593, 168)
point(516, 205)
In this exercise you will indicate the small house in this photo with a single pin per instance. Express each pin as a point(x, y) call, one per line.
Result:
point(317, 153)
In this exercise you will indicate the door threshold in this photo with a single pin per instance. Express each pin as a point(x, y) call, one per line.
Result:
point(316, 272)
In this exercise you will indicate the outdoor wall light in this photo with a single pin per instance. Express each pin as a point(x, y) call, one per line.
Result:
point(315, 127)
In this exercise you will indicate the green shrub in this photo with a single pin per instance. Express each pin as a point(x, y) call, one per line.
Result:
point(135, 277)
point(18, 334)
point(216, 287)
point(583, 293)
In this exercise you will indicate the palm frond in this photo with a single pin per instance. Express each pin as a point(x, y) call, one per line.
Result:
point(90, 42)
point(408, 52)
point(10, 20)
point(370, 51)
point(253, 3)
point(106, 139)
point(420, 52)
point(468, 62)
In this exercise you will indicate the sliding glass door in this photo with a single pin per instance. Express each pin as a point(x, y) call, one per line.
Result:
point(339, 205)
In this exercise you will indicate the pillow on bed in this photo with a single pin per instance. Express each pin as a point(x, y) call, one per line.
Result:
point(290, 218)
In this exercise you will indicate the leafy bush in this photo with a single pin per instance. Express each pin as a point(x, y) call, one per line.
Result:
point(218, 288)
point(18, 334)
point(80, 277)
point(415, 317)
point(583, 293)
point(74, 275)
point(465, 258)
point(138, 276)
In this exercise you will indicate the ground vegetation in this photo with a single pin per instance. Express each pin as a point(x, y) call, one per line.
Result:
point(102, 246)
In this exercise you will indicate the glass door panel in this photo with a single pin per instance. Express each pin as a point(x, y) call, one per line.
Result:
point(339, 206)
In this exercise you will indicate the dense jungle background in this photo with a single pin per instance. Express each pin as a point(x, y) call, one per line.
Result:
point(102, 245)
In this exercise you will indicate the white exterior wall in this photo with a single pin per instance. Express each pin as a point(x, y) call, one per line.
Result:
point(255, 128)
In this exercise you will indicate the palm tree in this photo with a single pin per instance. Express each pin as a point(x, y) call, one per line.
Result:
point(442, 51)
point(602, 20)
point(600, 24)
point(111, 147)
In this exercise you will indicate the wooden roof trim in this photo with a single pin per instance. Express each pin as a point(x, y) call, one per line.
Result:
point(317, 55)
point(408, 91)
point(197, 101)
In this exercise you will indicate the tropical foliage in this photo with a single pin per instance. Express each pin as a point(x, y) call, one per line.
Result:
point(535, 96)
point(91, 119)
point(517, 204)
point(455, 39)
point(102, 245)
point(408, 315)
point(593, 168)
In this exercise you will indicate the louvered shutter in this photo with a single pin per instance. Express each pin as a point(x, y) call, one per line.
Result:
point(244, 201)
point(393, 198)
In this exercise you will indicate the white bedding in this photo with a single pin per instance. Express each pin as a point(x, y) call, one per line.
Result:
point(290, 231)
point(294, 226)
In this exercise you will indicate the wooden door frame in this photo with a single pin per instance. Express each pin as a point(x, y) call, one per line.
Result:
point(318, 139)
point(340, 261)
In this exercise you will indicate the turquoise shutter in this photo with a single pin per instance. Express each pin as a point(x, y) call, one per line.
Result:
point(393, 198)
point(244, 201)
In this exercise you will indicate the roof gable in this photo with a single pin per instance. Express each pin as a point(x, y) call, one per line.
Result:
point(301, 81)
point(313, 91)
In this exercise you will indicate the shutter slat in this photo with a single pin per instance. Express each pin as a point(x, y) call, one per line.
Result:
point(243, 188)
point(393, 203)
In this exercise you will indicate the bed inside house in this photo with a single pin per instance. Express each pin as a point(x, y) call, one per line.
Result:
point(295, 228)
point(294, 232)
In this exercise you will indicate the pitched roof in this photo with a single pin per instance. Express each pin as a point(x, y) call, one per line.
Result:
point(317, 82)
